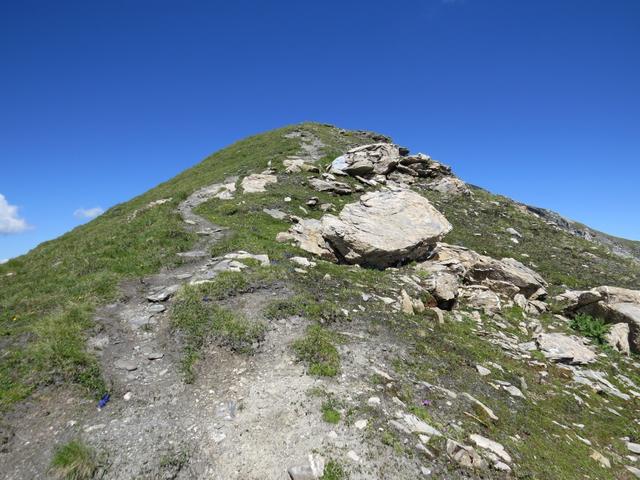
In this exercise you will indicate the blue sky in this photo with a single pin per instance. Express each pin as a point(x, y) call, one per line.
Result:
point(100, 101)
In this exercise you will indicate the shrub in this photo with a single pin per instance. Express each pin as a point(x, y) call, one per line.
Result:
point(591, 327)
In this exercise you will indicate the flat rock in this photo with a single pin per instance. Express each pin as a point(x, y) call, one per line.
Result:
point(156, 308)
point(487, 444)
point(277, 214)
point(257, 182)
point(330, 186)
point(416, 425)
point(193, 254)
point(307, 235)
point(128, 365)
point(563, 348)
point(163, 294)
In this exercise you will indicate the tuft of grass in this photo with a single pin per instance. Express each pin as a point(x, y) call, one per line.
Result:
point(200, 320)
point(317, 349)
point(334, 471)
point(329, 412)
point(74, 461)
point(304, 306)
point(594, 328)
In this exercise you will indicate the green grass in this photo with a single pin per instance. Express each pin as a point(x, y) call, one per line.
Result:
point(317, 349)
point(74, 461)
point(594, 328)
point(330, 414)
point(447, 356)
point(561, 258)
point(200, 321)
point(334, 471)
point(82, 269)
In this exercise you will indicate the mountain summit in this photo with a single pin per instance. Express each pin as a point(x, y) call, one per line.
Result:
point(319, 303)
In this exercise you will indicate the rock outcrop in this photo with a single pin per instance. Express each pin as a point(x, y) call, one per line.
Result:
point(613, 304)
point(376, 163)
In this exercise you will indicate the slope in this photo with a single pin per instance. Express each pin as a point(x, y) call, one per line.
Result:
point(252, 366)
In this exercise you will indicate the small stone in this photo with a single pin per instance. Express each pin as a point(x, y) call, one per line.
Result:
point(373, 401)
point(128, 365)
point(156, 308)
point(483, 371)
point(163, 294)
point(501, 466)
point(513, 391)
point(127, 396)
point(361, 424)
point(598, 457)
point(633, 447)
point(425, 471)
point(353, 456)
point(155, 355)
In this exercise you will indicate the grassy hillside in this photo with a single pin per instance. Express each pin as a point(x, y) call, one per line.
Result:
point(48, 297)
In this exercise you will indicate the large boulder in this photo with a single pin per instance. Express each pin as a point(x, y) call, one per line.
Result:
point(385, 228)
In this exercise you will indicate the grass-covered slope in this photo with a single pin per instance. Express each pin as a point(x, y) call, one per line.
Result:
point(480, 222)
point(48, 295)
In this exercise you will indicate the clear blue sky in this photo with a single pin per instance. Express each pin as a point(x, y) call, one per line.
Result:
point(100, 101)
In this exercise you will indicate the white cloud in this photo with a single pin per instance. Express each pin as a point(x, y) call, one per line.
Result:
point(10, 221)
point(4, 260)
point(88, 212)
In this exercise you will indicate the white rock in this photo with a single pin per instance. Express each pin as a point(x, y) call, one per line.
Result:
point(418, 426)
point(373, 401)
point(487, 444)
point(353, 456)
point(385, 228)
point(257, 182)
point(483, 371)
point(563, 348)
point(633, 447)
point(361, 424)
